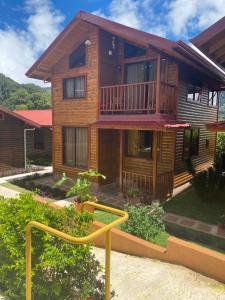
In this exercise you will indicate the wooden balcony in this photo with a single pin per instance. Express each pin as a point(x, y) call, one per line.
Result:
point(139, 98)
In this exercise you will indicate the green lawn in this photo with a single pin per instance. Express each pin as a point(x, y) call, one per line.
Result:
point(189, 205)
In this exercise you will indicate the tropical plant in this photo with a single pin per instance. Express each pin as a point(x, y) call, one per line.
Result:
point(81, 186)
point(59, 270)
point(145, 221)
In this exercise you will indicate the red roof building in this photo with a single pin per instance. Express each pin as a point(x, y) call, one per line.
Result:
point(43, 118)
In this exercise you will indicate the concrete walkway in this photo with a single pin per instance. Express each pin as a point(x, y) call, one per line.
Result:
point(8, 193)
point(135, 278)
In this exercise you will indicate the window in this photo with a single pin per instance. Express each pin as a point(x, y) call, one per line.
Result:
point(191, 142)
point(78, 57)
point(138, 144)
point(194, 93)
point(213, 99)
point(38, 139)
point(133, 51)
point(74, 88)
point(140, 72)
point(75, 146)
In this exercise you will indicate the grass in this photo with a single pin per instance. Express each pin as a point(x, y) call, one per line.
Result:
point(14, 187)
point(188, 204)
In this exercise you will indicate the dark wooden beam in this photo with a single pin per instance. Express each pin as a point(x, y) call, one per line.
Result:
point(222, 59)
point(217, 45)
point(217, 54)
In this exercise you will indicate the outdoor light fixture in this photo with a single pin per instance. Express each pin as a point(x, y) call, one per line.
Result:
point(113, 42)
point(87, 43)
point(110, 52)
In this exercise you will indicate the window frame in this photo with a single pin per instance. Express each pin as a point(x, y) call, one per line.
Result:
point(73, 52)
point(134, 156)
point(75, 166)
point(64, 97)
point(195, 86)
point(191, 154)
point(212, 100)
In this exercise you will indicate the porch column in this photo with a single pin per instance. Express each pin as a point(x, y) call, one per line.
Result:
point(158, 84)
point(154, 156)
point(121, 160)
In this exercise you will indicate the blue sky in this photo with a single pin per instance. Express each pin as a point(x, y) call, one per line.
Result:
point(27, 27)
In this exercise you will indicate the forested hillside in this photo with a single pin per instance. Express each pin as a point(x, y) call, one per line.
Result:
point(23, 96)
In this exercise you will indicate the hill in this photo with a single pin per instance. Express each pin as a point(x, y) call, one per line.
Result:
point(23, 96)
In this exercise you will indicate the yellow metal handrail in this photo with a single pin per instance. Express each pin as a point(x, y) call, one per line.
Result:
point(76, 240)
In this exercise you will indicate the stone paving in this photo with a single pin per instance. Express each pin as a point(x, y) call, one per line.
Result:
point(136, 278)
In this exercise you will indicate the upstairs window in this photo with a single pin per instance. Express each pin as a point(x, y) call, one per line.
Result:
point(213, 99)
point(138, 143)
point(191, 142)
point(78, 57)
point(194, 93)
point(74, 88)
point(133, 51)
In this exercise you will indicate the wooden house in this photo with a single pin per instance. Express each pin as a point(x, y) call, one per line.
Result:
point(20, 128)
point(130, 104)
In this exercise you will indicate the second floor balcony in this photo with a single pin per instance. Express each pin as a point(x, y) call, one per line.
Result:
point(142, 98)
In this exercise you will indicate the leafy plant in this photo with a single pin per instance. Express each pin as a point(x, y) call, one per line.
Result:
point(59, 270)
point(133, 192)
point(81, 186)
point(220, 152)
point(145, 221)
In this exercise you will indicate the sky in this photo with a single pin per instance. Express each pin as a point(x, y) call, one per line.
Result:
point(27, 27)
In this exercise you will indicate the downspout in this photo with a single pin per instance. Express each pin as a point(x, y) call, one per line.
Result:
point(25, 144)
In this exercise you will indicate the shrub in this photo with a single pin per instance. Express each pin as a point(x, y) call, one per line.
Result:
point(208, 182)
point(145, 221)
point(40, 159)
point(60, 270)
point(220, 152)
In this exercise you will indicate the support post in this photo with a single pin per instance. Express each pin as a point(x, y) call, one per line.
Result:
point(107, 264)
point(121, 160)
point(28, 262)
point(158, 84)
point(25, 144)
point(154, 154)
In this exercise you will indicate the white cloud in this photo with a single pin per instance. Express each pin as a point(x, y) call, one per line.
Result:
point(186, 16)
point(20, 48)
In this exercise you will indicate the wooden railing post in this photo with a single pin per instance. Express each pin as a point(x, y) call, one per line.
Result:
point(158, 84)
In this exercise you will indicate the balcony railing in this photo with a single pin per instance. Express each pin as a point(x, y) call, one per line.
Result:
point(137, 98)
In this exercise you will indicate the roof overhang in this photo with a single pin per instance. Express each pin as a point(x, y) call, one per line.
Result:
point(212, 42)
point(141, 125)
point(216, 126)
point(17, 116)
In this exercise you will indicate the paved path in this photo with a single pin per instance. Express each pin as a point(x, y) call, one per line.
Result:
point(193, 224)
point(135, 278)
point(8, 193)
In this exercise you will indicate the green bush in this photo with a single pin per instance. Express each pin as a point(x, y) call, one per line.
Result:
point(60, 270)
point(220, 152)
point(145, 221)
point(207, 183)
point(40, 159)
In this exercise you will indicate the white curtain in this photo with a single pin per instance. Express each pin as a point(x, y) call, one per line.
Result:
point(69, 88)
point(69, 146)
point(79, 87)
point(82, 147)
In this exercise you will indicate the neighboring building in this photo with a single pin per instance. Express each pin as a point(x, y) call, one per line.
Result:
point(129, 104)
point(13, 125)
point(39, 141)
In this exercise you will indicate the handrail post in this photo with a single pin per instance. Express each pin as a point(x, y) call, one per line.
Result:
point(28, 262)
point(107, 264)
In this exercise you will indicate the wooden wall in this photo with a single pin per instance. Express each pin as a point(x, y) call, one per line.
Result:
point(11, 142)
point(197, 114)
point(82, 112)
point(47, 137)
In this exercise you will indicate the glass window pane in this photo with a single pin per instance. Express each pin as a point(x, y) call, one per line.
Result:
point(79, 87)
point(190, 92)
point(69, 88)
point(81, 147)
point(69, 146)
point(133, 51)
point(187, 141)
point(138, 143)
point(78, 57)
point(194, 141)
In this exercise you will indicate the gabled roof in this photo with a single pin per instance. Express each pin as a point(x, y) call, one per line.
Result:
point(212, 41)
point(17, 116)
point(41, 117)
point(42, 67)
